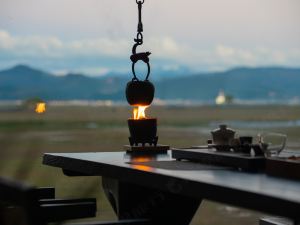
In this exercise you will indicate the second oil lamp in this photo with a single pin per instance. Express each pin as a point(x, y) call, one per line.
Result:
point(142, 130)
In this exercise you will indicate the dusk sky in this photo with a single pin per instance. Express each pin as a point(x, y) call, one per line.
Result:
point(95, 36)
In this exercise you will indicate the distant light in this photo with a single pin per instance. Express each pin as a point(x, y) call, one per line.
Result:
point(40, 107)
point(221, 98)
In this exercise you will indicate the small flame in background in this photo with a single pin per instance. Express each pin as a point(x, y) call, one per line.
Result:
point(221, 98)
point(40, 107)
point(139, 112)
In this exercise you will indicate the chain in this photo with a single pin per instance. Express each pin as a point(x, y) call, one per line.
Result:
point(140, 24)
point(139, 36)
point(144, 56)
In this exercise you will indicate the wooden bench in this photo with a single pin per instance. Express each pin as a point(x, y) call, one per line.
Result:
point(38, 206)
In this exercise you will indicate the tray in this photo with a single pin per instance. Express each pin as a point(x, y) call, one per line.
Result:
point(243, 149)
point(149, 150)
point(283, 167)
point(237, 160)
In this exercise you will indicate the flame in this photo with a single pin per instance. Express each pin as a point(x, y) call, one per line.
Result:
point(139, 112)
point(142, 159)
point(40, 107)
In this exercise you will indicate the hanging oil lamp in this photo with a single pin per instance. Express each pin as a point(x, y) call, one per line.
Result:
point(140, 94)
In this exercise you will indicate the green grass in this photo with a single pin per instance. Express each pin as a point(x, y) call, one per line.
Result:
point(25, 136)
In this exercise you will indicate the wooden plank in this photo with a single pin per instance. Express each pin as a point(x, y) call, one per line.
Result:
point(281, 167)
point(67, 201)
point(59, 212)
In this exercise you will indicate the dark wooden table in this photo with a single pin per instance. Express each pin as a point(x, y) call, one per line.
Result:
point(169, 192)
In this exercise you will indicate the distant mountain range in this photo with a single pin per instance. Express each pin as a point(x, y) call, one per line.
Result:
point(23, 82)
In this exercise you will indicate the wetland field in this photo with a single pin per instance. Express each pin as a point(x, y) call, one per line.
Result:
point(25, 136)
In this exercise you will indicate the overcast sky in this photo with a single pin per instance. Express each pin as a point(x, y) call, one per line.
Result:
point(95, 36)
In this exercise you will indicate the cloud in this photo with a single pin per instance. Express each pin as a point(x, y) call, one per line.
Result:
point(257, 56)
point(91, 71)
point(101, 55)
point(54, 47)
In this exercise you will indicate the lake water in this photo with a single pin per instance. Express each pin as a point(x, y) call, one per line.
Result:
point(258, 124)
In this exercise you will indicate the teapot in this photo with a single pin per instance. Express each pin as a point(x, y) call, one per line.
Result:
point(223, 135)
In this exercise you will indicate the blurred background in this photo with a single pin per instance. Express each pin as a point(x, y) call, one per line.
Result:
point(235, 62)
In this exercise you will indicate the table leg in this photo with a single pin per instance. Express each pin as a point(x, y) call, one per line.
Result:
point(131, 201)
